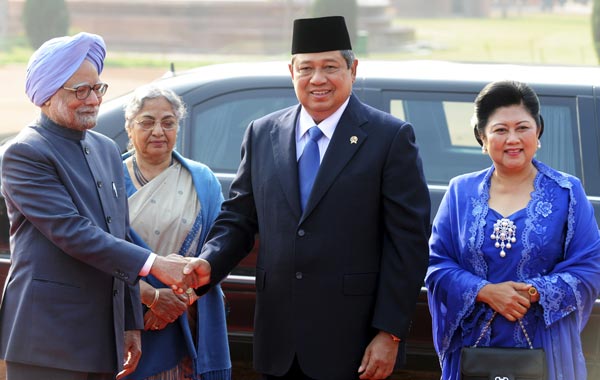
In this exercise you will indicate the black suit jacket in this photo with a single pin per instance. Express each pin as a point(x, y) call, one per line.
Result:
point(352, 264)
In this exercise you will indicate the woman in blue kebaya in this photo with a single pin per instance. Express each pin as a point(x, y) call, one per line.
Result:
point(518, 239)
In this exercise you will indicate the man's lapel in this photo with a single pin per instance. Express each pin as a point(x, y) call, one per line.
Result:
point(283, 141)
point(346, 141)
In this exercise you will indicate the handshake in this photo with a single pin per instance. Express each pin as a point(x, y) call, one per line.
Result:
point(181, 273)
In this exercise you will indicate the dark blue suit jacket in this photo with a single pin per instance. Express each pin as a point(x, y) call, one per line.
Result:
point(71, 290)
point(352, 264)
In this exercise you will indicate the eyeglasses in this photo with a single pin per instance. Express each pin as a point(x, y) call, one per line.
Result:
point(82, 91)
point(165, 124)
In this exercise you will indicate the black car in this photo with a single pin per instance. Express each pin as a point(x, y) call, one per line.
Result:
point(436, 97)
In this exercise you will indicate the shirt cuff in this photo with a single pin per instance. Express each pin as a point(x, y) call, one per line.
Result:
point(148, 265)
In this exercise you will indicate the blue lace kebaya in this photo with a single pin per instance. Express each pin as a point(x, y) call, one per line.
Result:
point(556, 248)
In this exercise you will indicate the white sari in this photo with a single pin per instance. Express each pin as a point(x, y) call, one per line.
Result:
point(164, 211)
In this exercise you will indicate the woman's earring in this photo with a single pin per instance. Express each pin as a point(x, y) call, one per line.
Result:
point(539, 144)
point(483, 149)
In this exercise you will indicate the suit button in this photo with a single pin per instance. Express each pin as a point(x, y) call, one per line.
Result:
point(108, 219)
point(301, 233)
point(99, 184)
point(298, 275)
point(86, 150)
point(116, 292)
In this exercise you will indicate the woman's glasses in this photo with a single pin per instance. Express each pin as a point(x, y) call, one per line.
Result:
point(165, 124)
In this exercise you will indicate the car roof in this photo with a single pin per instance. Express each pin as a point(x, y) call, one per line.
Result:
point(425, 76)
point(478, 72)
point(410, 70)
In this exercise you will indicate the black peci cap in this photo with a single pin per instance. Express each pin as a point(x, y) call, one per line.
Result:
point(315, 35)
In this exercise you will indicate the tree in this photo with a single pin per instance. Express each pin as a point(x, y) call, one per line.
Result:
point(596, 26)
point(45, 19)
point(346, 8)
point(3, 23)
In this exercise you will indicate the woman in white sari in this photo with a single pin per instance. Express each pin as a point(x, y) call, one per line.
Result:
point(173, 202)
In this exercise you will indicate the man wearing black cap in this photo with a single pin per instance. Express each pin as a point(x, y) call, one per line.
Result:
point(336, 190)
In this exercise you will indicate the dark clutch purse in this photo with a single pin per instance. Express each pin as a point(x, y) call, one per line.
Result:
point(495, 363)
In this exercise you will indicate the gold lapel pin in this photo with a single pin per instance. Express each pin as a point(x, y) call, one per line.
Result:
point(353, 140)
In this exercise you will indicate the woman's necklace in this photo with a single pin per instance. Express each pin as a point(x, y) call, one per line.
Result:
point(139, 176)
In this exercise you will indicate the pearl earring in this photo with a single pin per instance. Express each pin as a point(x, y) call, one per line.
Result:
point(483, 149)
point(539, 144)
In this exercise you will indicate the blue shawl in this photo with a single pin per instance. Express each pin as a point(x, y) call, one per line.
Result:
point(164, 349)
point(557, 250)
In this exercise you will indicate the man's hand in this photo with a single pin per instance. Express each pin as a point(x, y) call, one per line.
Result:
point(200, 268)
point(133, 352)
point(379, 358)
point(169, 270)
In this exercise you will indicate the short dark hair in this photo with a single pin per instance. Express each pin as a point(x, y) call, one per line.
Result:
point(503, 94)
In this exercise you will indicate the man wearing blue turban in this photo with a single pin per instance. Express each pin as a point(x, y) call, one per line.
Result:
point(71, 307)
point(57, 60)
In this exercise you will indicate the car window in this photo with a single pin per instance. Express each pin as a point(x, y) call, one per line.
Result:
point(445, 139)
point(560, 142)
point(445, 136)
point(218, 124)
point(456, 114)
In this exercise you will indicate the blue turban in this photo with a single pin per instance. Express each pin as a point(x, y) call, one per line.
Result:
point(57, 60)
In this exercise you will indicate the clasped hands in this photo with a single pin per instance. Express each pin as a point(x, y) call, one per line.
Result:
point(182, 274)
point(510, 299)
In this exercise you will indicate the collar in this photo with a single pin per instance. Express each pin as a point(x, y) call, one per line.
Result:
point(327, 126)
point(68, 133)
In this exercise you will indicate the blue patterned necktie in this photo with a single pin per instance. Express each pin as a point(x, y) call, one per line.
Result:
point(308, 165)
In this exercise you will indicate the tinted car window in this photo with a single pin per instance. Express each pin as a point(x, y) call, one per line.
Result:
point(444, 134)
point(218, 124)
point(441, 123)
point(560, 142)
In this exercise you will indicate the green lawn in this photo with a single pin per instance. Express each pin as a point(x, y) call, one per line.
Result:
point(539, 39)
point(533, 38)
